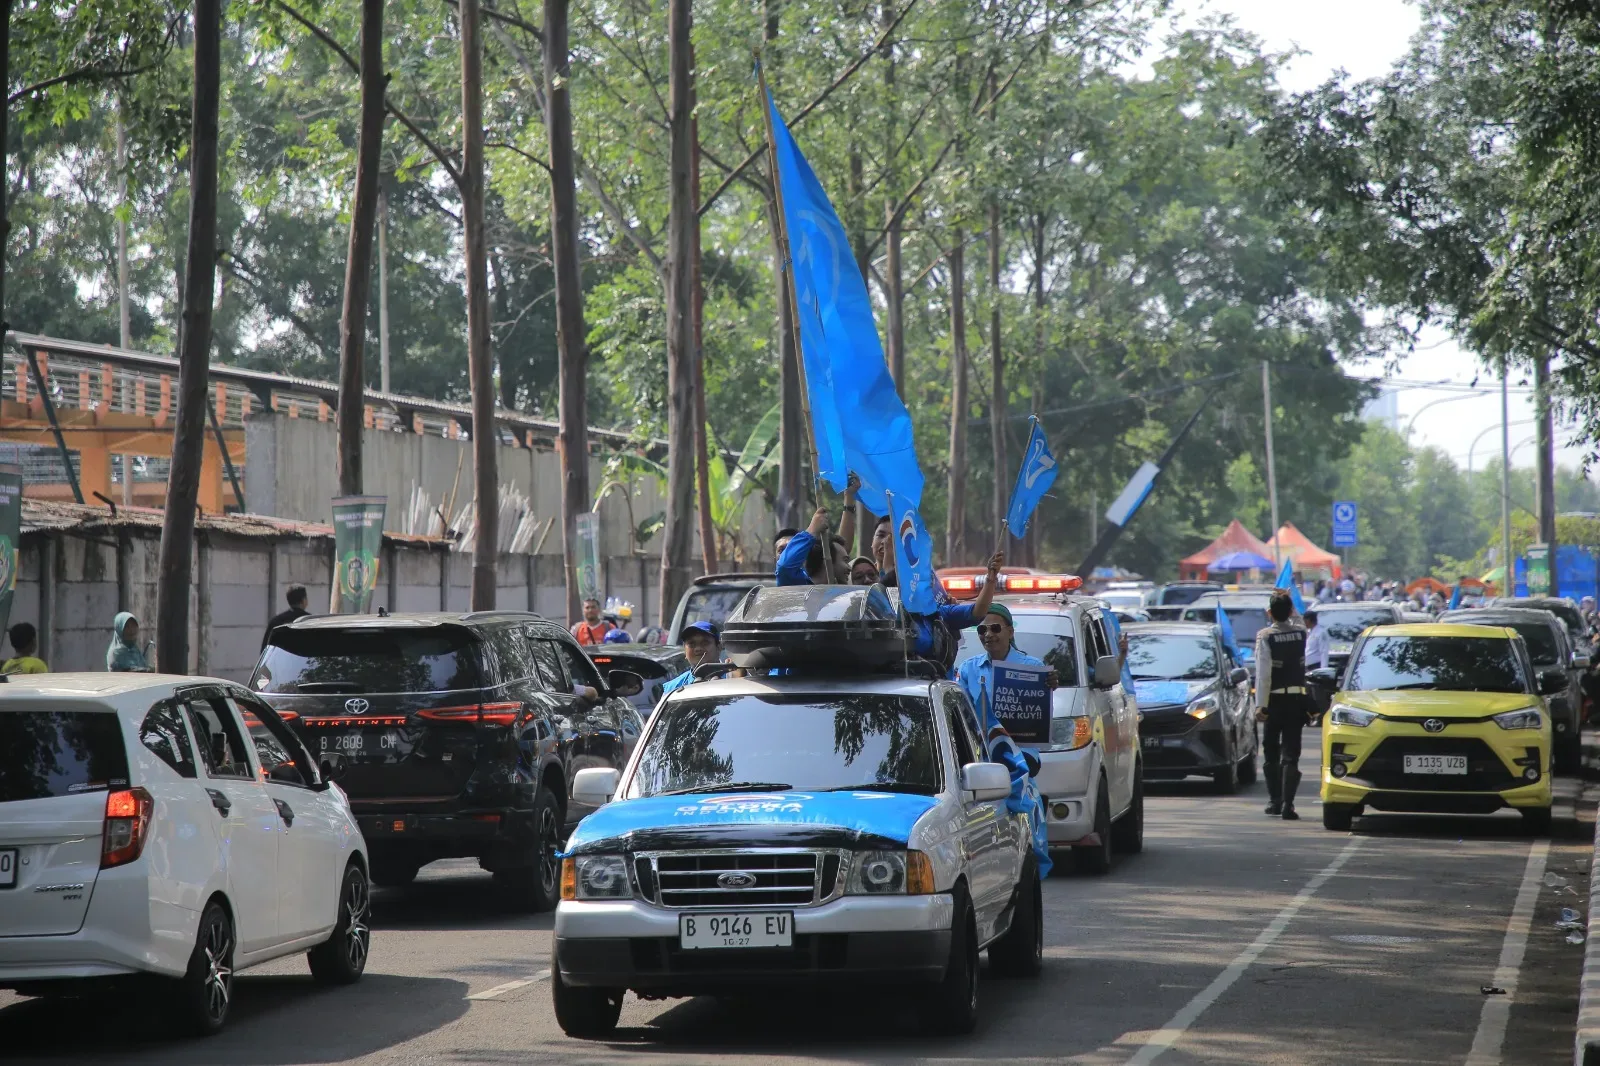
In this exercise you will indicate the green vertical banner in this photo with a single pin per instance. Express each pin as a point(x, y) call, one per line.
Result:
point(10, 538)
point(1538, 572)
point(587, 525)
point(357, 546)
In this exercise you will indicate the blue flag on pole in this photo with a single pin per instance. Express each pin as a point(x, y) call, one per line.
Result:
point(857, 417)
point(1226, 625)
point(1286, 581)
point(913, 557)
point(1034, 478)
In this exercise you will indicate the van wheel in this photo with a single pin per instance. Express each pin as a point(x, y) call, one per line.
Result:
point(1536, 820)
point(1127, 835)
point(342, 958)
point(952, 1007)
point(1095, 859)
point(536, 886)
point(1020, 953)
point(1338, 817)
point(205, 991)
point(585, 1013)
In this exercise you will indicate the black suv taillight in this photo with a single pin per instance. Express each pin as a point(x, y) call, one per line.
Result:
point(484, 713)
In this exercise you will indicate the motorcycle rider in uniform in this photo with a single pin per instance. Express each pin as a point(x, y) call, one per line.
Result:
point(1282, 702)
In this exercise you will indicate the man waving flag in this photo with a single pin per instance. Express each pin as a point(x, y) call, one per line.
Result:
point(858, 420)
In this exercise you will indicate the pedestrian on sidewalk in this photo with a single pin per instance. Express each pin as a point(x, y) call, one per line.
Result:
point(297, 609)
point(124, 655)
point(1282, 702)
point(25, 642)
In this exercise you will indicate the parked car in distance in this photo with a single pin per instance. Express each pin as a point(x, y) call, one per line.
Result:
point(1195, 713)
point(787, 832)
point(459, 734)
point(1551, 655)
point(1564, 608)
point(167, 829)
point(1173, 597)
point(656, 664)
point(1090, 766)
point(711, 598)
point(1246, 611)
point(1346, 621)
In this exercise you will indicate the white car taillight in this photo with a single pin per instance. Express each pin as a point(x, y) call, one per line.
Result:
point(127, 821)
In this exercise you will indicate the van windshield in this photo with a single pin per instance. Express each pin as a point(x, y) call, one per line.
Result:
point(58, 753)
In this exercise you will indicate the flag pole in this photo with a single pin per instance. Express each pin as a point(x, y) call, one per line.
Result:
point(781, 222)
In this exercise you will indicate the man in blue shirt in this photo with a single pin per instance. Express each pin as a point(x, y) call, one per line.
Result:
point(701, 644)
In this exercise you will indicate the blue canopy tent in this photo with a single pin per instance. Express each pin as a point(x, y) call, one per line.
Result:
point(1240, 561)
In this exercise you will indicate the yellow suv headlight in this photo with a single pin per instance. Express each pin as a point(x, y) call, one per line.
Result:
point(1527, 718)
point(1341, 714)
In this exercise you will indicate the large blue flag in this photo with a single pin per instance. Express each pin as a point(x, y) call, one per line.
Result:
point(1286, 581)
point(1034, 478)
point(857, 417)
point(913, 557)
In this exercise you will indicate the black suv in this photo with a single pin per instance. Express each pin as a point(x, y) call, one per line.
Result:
point(453, 734)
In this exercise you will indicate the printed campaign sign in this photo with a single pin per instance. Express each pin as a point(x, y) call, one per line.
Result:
point(1022, 701)
point(357, 542)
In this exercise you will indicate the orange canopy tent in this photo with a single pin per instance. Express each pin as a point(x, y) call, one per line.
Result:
point(1235, 538)
point(1306, 556)
point(1428, 585)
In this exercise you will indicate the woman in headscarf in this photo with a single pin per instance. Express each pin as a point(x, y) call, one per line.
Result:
point(124, 654)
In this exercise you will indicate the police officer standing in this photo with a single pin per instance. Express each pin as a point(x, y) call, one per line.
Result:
point(1282, 702)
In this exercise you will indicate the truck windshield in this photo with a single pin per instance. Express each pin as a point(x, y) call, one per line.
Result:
point(1450, 664)
point(807, 743)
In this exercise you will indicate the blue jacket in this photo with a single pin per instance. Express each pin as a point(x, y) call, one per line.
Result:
point(791, 568)
point(976, 678)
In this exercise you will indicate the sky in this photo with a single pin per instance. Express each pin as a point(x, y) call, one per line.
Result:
point(1363, 38)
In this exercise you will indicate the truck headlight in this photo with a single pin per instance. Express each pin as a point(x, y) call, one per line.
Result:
point(1340, 714)
point(1070, 734)
point(602, 877)
point(1527, 718)
point(885, 873)
point(1202, 707)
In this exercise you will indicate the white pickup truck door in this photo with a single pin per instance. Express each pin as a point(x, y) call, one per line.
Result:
point(988, 832)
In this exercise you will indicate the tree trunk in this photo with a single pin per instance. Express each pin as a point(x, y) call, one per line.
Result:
point(681, 220)
point(1546, 463)
point(702, 429)
point(791, 421)
point(480, 366)
point(571, 337)
point(5, 175)
point(997, 381)
point(358, 260)
point(955, 538)
point(194, 349)
point(1030, 545)
point(894, 323)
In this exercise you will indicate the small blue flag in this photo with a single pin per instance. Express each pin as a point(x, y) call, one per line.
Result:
point(1226, 624)
point(857, 417)
point(1455, 598)
point(913, 558)
point(1034, 478)
point(1286, 581)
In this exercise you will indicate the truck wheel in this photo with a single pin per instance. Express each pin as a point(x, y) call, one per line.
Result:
point(342, 958)
point(536, 885)
point(1020, 953)
point(952, 1007)
point(1338, 817)
point(1095, 859)
point(585, 1013)
point(1127, 835)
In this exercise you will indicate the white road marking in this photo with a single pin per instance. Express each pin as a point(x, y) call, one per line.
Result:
point(1162, 1040)
point(1491, 1035)
point(509, 986)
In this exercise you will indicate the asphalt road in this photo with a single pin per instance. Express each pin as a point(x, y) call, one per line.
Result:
point(1233, 939)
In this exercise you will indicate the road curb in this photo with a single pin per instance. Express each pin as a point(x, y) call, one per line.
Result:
point(1586, 1050)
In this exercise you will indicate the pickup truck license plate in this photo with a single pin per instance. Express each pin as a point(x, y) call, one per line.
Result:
point(1436, 764)
point(758, 929)
point(8, 867)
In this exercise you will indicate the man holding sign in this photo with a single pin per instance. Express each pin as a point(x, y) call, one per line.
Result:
point(1011, 691)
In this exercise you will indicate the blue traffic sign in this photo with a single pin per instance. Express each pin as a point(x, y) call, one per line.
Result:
point(1344, 524)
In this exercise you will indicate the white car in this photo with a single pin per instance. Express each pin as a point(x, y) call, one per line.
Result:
point(1090, 773)
point(170, 830)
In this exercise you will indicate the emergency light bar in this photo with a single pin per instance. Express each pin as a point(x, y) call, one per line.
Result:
point(1041, 582)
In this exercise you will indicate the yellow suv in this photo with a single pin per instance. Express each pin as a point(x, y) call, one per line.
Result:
point(1432, 717)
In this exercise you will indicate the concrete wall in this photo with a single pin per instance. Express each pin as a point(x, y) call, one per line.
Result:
point(71, 586)
point(290, 474)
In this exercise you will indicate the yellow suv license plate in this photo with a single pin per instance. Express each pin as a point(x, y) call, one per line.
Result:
point(1436, 764)
point(759, 929)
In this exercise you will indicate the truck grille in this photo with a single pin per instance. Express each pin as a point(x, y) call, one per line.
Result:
point(738, 878)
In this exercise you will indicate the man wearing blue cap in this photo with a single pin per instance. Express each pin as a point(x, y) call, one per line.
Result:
point(701, 644)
